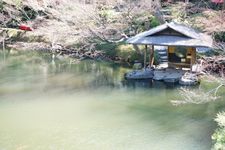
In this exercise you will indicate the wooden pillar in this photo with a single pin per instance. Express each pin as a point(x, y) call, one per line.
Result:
point(145, 54)
point(151, 56)
point(193, 57)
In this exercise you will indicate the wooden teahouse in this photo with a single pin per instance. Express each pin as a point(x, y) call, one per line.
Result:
point(181, 41)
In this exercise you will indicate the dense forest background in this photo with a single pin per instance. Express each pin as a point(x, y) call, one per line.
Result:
point(103, 24)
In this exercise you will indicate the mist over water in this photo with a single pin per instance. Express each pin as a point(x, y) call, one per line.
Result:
point(58, 105)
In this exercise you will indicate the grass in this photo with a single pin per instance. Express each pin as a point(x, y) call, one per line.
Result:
point(219, 135)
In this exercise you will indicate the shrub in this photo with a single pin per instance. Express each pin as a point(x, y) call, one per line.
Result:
point(219, 36)
point(154, 22)
point(219, 136)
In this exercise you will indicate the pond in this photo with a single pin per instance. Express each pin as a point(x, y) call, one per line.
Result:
point(61, 104)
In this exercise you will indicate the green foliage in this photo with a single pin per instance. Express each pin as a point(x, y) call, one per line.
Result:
point(220, 119)
point(137, 66)
point(154, 22)
point(108, 48)
point(127, 52)
point(18, 3)
point(219, 136)
point(13, 23)
point(105, 14)
point(142, 22)
point(14, 34)
point(156, 58)
point(1, 5)
point(219, 36)
point(121, 50)
point(28, 13)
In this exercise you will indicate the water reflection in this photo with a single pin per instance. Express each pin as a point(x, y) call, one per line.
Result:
point(60, 105)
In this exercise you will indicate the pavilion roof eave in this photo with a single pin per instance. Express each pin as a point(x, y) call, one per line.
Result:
point(188, 37)
point(197, 46)
point(161, 44)
point(171, 41)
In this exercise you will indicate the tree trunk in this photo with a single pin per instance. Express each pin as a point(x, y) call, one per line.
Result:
point(223, 4)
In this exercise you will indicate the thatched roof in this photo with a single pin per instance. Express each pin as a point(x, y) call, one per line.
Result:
point(172, 34)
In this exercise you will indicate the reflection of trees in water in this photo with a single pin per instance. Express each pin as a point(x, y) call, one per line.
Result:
point(137, 83)
point(63, 74)
point(37, 71)
point(149, 83)
point(87, 73)
point(103, 75)
point(159, 109)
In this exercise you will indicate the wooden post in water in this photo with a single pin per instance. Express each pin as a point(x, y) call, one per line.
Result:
point(151, 56)
point(145, 54)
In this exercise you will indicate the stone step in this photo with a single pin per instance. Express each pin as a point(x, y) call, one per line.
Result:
point(164, 60)
point(167, 16)
point(159, 50)
point(163, 57)
point(162, 52)
point(166, 11)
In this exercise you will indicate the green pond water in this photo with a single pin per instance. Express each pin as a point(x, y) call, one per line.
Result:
point(46, 105)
